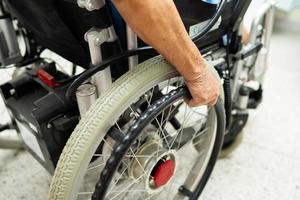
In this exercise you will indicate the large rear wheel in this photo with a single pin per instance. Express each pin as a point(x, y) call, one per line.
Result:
point(164, 163)
point(106, 123)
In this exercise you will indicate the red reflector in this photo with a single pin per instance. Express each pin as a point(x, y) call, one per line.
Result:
point(46, 78)
point(164, 173)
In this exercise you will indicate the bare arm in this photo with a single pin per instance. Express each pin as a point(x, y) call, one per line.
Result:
point(158, 23)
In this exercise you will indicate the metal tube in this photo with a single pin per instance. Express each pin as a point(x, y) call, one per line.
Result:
point(269, 22)
point(242, 102)
point(258, 20)
point(86, 95)
point(102, 79)
point(91, 5)
point(238, 69)
point(132, 43)
point(10, 51)
point(6, 143)
point(255, 28)
point(266, 18)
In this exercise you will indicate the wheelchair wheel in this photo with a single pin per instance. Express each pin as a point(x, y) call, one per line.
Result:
point(108, 123)
point(229, 148)
point(161, 163)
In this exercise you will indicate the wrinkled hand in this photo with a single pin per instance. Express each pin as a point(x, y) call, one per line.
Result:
point(204, 89)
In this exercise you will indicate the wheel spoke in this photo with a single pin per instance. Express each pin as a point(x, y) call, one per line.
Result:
point(149, 197)
point(162, 131)
point(137, 160)
point(120, 176)
point(97, 166)
point(119, 128)
point(181, 127)
point(151, 96)
point(181, 130)
point(131, 184)
point(128, 191)
point(85, 193)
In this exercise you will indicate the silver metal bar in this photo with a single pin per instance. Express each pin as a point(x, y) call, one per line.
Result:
point(10, 51)
point(237, 74)
point(238, 68)
point(132, 43)
point(86, 95)
point(96, 37)
point(102, 80)
point(91, 5)
point(265, 11)
point(242, 101)
point(269, 22)
point(267, 7)
point(6, 143)
point(265, 17)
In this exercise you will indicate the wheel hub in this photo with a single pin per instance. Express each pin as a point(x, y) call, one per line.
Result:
point(156, 164)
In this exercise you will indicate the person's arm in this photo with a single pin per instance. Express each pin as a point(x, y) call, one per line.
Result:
point(158, 23)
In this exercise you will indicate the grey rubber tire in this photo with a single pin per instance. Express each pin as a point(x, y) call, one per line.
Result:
point(91, 129)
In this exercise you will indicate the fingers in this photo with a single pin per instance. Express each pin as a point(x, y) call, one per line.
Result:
point(214, 102)
point(204, 90)
point(194, 103)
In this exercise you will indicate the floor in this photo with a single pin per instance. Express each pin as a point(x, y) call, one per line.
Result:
point(265, 166)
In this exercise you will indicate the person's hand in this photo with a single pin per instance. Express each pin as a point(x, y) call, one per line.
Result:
point(204, 89)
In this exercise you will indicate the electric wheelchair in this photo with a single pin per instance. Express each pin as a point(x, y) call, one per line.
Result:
point(117, 126)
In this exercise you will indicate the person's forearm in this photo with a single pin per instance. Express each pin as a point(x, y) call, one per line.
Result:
point(158, 23)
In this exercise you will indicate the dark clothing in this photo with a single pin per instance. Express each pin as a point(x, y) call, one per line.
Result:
point(59, 25)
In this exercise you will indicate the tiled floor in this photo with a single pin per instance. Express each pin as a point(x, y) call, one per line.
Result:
point(266, 166)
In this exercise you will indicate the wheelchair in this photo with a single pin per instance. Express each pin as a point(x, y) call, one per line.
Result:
point(120, 128)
